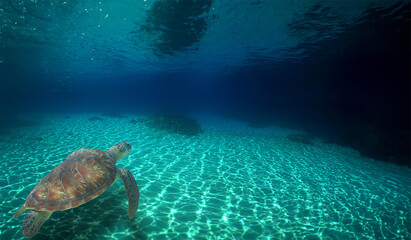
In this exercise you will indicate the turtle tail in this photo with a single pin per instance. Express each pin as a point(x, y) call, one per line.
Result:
point(20, 211)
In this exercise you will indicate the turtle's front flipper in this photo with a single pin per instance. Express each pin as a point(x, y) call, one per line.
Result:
point(33, 222)
point(132, 191)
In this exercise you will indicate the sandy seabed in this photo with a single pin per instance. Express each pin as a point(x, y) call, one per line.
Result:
point(231, 182)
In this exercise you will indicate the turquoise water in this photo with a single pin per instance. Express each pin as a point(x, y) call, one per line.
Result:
point(231, 182)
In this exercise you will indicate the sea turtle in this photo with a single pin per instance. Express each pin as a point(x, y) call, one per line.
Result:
point(83, 176)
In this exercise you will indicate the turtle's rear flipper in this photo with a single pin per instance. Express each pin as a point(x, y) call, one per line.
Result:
point(132, 191)
point(33, 222)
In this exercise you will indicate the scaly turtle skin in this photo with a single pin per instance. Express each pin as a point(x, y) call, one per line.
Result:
point(83, 176)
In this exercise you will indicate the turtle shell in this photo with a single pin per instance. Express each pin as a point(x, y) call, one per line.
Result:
point(83, 176)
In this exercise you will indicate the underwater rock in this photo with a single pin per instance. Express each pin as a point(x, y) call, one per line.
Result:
point(139, 120)
point(301, 138)
point(173, 123)
point(95, 119)
point(259, 124)
point(382, 144)
point(112, 115)
point(38, 139)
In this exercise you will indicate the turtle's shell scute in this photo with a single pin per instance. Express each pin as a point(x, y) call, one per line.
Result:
point(83, 176)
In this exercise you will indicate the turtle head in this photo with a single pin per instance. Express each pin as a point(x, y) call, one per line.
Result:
point(119, 151)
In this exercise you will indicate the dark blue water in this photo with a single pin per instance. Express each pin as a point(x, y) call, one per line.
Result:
point(338, 71)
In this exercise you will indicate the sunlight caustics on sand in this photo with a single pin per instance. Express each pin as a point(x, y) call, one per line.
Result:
point(218, 185)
